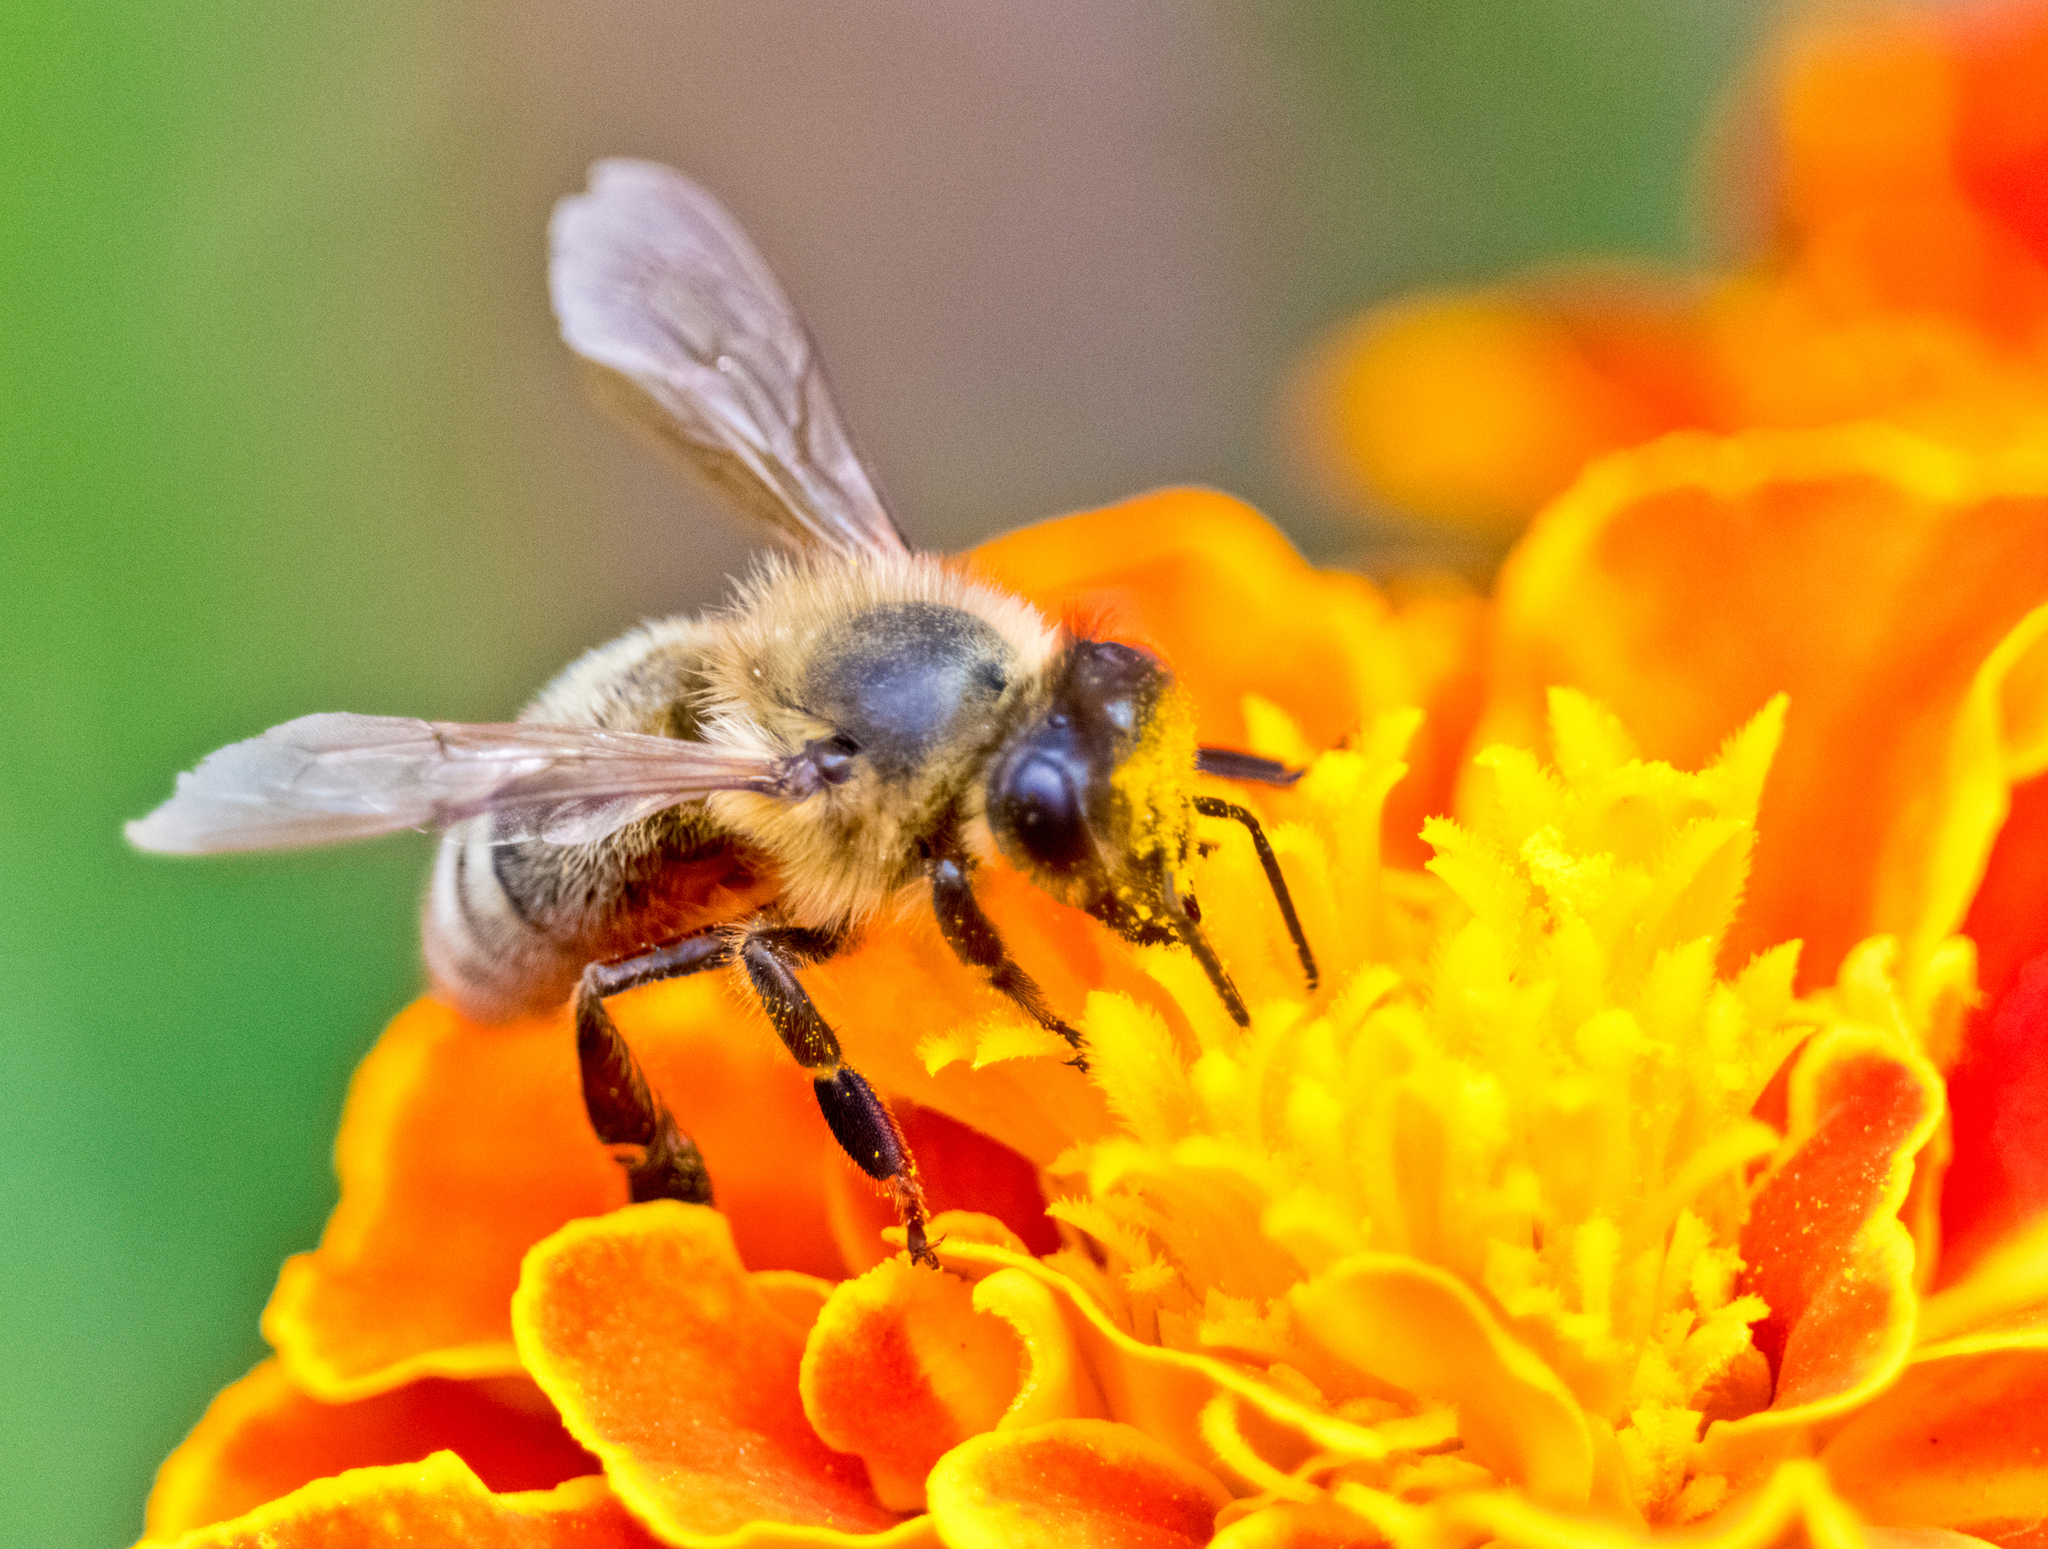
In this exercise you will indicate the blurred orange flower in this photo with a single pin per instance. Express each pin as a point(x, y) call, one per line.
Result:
point(1902, 152)
point(1664, 1154)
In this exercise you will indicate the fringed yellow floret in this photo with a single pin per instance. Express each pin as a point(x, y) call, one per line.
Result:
point(1523, 1105)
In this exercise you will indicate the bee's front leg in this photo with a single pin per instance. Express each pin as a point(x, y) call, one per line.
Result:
point(661, 1162)
point(976, 942)
point(861, 1122)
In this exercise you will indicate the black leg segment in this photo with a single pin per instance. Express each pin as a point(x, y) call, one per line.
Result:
point(860, 1120)
point(976, 942)
point(1210, 806)
point(1229, 764)
point(661, 1162)
point(1186, 919)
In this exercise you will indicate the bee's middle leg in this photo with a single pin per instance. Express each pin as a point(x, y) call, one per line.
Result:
point(860, 1121)
point(661, 1162)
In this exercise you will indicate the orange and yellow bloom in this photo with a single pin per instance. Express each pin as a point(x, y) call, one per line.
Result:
point(1664, 1154)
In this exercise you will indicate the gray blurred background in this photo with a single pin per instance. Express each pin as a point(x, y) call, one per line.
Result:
point(283, 427)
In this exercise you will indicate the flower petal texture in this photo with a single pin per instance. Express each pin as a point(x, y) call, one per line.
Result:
point(434, 1504)
point(1960, 1442)
point(679, 1373)
point(462, 1145)
point(900, 1367)
point(1090, 1484)
point(262, 1438)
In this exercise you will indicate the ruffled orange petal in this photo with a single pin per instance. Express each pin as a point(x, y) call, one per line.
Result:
point(900, 1368)
point(1421, 1330)
point(1220, 1416)
point(1870, 575)
point(1198, 575)
point(461, 1146)
point(262, 1438)
point(1824, 1246)
point(435, 1504)
point(670, 1364)
point(1070, 1483)
point(1960, 1441)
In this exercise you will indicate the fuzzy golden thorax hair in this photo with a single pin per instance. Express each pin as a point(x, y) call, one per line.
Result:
point(913, 668)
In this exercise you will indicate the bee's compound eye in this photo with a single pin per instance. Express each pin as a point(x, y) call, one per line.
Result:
point(1042, 810)
point(833, 759)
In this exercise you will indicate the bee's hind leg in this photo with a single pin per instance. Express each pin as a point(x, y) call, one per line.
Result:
point(861, 1122)
point(661, 1162)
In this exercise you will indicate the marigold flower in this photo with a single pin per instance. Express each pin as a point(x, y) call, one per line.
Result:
point(1558, 1212)
point(1904, 278)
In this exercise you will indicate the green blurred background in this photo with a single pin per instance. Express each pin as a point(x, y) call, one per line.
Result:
point(283, 428)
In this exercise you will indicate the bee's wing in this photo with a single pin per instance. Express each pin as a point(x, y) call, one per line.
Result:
point(695, 343)
point(324, 778)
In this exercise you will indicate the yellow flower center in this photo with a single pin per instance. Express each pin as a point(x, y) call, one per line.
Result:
point(1525, 1073)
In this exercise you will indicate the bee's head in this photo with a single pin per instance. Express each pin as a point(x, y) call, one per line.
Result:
point(1090, 795)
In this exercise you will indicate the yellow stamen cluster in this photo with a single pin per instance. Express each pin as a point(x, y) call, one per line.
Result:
point(1525, 1074)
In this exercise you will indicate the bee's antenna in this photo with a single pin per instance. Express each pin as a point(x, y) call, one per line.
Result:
point(1216, 807)
point(1188, 928)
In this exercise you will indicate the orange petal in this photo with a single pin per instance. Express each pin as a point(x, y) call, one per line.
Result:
point(2008, 917)
point(669, 1364)
point(737, 1092)
point(1476, 408)
point(1084, 1365)
point(1999, 1085)
point(435, 1504)
point(1998, 1179)
point(1072, 1483)
point(1960, 1441)
point(1423, 1331)
point(461, 1146)
point(262, 1438)
point(1866, 115)
point(1824, 1245)
point(1868, 574)
point(903, 986)
point(1795, 1508)
point(1195, 574)
point(900, 1368)
point(2001, 151)
point(1296, 1525)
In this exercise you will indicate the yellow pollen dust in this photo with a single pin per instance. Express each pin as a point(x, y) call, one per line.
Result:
point(1152, 782)
point(1524, 1090)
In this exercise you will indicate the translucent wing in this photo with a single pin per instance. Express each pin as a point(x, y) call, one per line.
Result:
point(695, 344)
point(324, 778)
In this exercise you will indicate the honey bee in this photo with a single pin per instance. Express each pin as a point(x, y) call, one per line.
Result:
point(749, 786)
